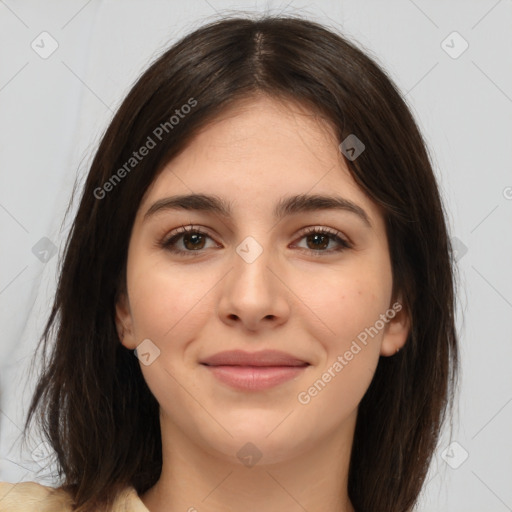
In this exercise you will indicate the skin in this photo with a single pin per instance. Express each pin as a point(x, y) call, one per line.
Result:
point(309, 304)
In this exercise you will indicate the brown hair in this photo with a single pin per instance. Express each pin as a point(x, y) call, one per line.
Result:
point(95, 407)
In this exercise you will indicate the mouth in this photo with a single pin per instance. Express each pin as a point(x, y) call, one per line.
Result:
point(254, 371)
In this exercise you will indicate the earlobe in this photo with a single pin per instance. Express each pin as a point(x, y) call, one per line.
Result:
point(397, 329)
point(124, 324)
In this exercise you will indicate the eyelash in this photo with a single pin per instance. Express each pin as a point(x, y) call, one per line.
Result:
point(169, 243)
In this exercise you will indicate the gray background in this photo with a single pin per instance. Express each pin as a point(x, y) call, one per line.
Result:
point(53, 111)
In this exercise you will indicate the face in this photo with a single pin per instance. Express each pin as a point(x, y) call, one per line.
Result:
point(314, 283)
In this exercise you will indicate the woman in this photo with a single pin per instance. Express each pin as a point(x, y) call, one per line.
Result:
point(262, 229)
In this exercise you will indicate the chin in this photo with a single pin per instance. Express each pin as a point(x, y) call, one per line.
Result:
point(251, 445)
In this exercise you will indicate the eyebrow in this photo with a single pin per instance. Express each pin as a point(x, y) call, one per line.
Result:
point(291, 205)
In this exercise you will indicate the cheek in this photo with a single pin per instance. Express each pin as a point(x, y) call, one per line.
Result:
point(347, 301)
point(353, 306)
point(165, 300)
point(351, 351)
point(168, 308)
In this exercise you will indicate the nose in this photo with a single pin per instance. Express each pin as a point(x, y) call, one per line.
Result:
point(254, 294)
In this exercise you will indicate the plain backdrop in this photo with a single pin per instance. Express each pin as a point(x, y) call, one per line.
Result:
point(66, 65)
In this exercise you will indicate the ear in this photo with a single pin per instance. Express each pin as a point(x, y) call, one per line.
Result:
point(397, 329)
point(124, 321)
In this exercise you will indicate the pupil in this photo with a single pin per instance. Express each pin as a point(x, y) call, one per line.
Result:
point(194, 241)
point(316, 237)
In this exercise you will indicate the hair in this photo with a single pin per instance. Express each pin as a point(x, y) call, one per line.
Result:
point(91, 400)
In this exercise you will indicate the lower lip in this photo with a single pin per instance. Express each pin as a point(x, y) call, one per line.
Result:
point(255, 378)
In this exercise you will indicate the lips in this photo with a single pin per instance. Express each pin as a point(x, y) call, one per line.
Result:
point(255, 371)
point(263, 358)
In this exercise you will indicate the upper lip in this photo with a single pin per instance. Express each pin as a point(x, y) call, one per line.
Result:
point(261, 358)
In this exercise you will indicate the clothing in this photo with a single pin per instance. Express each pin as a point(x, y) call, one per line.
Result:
point(34, 497)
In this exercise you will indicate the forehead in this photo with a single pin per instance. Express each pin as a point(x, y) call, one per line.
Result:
point(258, 151)
point(267, 129)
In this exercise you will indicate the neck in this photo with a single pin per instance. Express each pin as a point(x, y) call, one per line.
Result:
point(197, 480)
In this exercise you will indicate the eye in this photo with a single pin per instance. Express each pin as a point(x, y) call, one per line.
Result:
point(193, 241)
point(318, 239)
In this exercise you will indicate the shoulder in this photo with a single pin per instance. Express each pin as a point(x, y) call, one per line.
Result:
point(31, 496)
point(34, 497)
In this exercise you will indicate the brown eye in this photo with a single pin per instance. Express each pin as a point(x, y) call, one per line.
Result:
point(193, 240)
point(318, 240)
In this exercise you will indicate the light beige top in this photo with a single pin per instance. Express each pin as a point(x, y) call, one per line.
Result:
point(32, 497)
